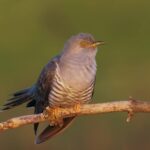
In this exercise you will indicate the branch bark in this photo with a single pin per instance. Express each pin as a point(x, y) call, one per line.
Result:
point(130, 106)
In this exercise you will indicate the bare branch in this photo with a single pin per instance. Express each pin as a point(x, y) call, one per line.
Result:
point(130, 106)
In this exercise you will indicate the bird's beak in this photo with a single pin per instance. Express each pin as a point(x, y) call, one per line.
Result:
point(98, 43)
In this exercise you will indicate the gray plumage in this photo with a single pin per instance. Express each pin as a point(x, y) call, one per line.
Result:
point(68, 79)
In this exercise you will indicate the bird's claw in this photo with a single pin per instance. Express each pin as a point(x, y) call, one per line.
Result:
point(54, 115)
point(77, 107)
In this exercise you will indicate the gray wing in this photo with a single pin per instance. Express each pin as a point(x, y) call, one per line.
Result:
point(43, 88)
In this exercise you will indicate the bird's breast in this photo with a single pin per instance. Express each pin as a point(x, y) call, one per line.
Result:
point(78, 76)
point(72, 86)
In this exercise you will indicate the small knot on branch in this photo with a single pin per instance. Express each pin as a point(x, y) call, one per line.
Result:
point(131, 108)
point(130, 115)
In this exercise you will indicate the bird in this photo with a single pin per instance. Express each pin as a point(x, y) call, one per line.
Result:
point(66, 81)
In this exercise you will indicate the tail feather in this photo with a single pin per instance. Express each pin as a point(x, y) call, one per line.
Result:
point(50, 131)
point(31, 104)
point(19, 98)
point(21, 92)
point(35, 127)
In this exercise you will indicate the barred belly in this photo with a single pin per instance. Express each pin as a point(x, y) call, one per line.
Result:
point(62, 95)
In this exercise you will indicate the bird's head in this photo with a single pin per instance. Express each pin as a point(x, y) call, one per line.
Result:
point(80, 43)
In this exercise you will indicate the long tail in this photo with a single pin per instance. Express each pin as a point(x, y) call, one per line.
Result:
point(19, 98)
point(50, 131)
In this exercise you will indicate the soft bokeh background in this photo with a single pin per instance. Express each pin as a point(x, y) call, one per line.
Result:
point(33, 31)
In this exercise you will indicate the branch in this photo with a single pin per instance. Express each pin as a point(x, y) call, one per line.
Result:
point(130, 106)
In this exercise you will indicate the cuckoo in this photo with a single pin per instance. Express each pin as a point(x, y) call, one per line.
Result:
point(67, 80)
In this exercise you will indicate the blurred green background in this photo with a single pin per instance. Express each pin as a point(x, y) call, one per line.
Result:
point(33, 31)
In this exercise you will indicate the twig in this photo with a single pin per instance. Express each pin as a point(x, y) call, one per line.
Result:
point(130, 106)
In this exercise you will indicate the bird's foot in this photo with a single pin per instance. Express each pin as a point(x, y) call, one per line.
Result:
point(77, 108)
point(54, 115)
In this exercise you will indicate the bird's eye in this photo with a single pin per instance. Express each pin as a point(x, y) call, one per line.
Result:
point(84, 44)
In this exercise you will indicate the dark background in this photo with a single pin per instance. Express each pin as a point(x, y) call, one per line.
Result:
point(33, 31)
